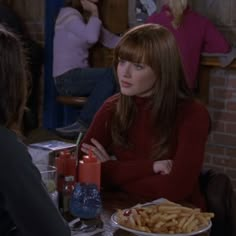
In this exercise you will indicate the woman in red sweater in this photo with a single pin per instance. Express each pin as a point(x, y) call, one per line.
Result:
point(154, 128)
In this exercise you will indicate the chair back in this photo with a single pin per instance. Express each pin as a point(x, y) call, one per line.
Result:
point(221, 200)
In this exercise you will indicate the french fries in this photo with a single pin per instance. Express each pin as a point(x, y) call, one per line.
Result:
point(167, 218)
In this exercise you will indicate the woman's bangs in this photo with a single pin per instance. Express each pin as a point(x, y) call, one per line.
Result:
point(132, 52)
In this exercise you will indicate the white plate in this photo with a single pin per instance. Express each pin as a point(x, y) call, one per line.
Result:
point(142, 233)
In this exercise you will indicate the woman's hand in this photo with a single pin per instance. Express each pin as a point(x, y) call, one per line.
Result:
point(90, 7)
point(97, 149)
point(162, 167)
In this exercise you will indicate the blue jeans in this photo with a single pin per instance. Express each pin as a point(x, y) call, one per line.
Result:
point(95, 83)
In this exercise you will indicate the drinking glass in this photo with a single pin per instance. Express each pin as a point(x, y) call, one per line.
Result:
point(85, 201)
point(49, 177)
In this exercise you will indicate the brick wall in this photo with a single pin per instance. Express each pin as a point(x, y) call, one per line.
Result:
point(221, 148)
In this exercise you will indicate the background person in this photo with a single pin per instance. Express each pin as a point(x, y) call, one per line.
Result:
point(194, 34)
point(74, 36)
point(25, 207)
point(154, 118)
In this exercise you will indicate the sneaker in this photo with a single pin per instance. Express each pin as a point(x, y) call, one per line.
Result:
point(71, 131)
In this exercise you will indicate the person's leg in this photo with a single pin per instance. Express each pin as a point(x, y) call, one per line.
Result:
point(96, 83)
point(105, 86)
point(81, 82)
point(74, 83)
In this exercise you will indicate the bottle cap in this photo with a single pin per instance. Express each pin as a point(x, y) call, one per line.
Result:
point(64, 154)
point(89, 159)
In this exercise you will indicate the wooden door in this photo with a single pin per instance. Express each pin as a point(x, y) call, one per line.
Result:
point(114, 15)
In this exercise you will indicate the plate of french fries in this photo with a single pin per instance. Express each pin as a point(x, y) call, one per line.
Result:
point(162, 218)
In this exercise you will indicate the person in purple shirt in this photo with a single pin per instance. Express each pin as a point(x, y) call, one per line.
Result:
point(74, 36)
point(194, 34)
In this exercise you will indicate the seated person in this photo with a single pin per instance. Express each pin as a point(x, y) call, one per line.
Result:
point(194, 34)
point(154, 127)
point(74, 35)
point(26, 208)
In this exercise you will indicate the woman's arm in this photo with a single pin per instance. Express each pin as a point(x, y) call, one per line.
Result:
point(187, 162)
point(108, 39)
point(162, 167)
point(90, 7)
point(214, 40)
point(100, 128)
point(72, 21)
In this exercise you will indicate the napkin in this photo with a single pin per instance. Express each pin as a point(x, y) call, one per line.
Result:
point(94, 232)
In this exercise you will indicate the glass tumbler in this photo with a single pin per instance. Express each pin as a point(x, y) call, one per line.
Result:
point(85, 201)
point(49, 177)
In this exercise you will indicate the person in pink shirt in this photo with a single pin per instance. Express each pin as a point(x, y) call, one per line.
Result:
point(194, 34)
point(74, 36)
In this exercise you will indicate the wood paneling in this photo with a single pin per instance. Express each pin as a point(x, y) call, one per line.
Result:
point(114, 14)
point(29, 10)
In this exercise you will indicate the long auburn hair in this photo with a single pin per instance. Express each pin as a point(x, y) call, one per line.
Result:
point(13, 80)
point(155, 46)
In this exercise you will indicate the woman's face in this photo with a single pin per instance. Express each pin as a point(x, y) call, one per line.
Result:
point(135, 79)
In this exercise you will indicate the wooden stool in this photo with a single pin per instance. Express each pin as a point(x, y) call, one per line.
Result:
point(71, 100)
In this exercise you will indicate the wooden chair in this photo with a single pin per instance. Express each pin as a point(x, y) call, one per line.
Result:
point(71, 100)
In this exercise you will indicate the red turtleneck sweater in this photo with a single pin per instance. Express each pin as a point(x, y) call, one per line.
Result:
point(132, 172)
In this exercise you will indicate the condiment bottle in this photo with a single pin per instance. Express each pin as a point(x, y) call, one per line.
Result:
point(60, 165)
point(90, 170)
point(69, 185)
point(66, 166)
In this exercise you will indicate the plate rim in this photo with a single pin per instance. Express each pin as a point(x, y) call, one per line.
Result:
point(137, 232)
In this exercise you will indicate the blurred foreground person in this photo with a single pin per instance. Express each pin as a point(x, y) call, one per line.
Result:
point(26, 208)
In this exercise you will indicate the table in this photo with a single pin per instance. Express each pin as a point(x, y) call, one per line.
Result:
point(113, 201)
